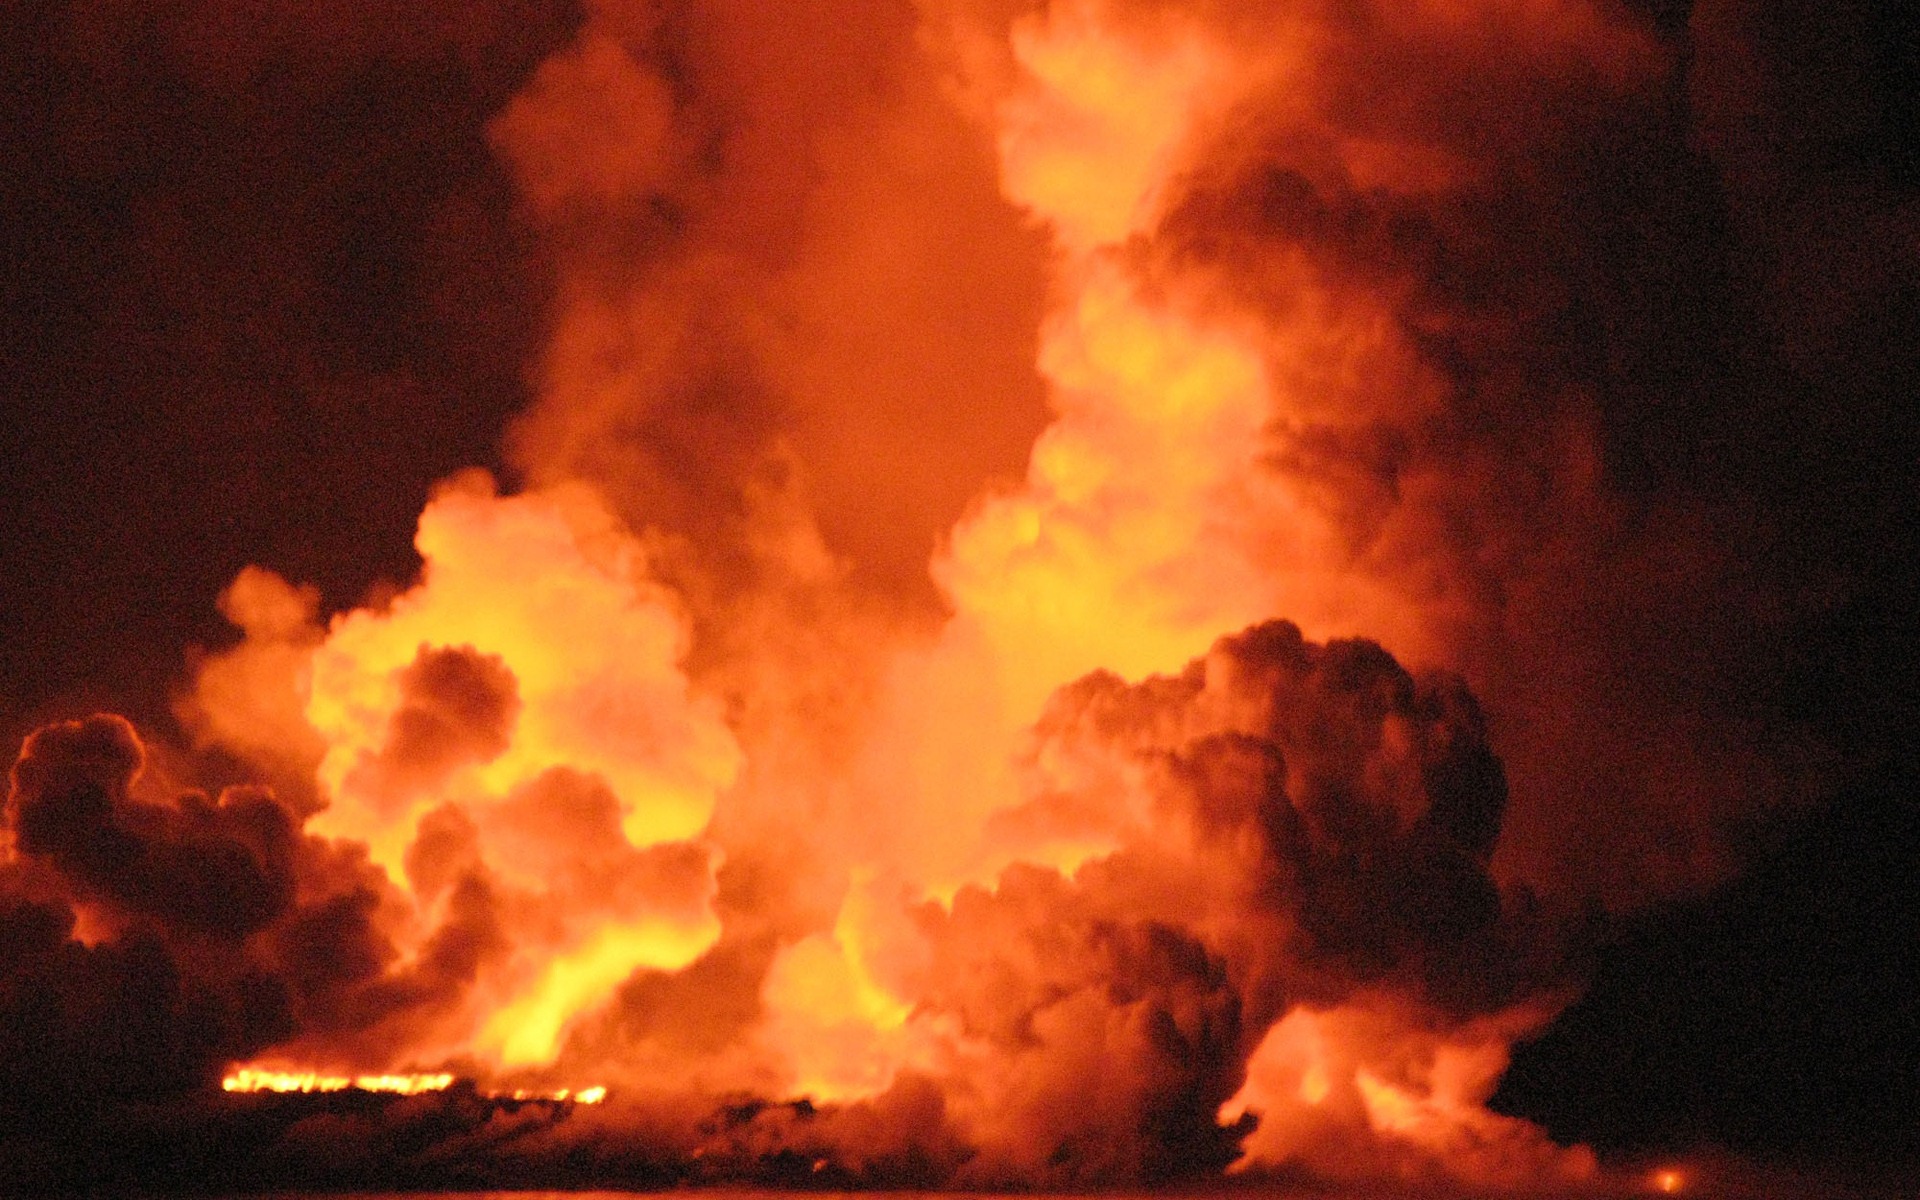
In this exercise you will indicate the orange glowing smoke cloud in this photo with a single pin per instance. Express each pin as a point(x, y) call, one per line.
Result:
point(1104, 867)
point(533, 736)
point(1150, 521)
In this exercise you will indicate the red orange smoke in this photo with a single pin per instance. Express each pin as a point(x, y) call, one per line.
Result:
point(1100, 847)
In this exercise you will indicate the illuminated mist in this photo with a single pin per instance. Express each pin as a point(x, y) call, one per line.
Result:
point(1045, 632)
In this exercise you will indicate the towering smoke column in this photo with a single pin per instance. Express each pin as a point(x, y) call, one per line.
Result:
point(1172, 498)
point(1124, 845)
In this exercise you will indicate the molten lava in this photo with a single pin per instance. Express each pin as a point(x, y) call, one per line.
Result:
point(250, 1079)
point(253, 1079)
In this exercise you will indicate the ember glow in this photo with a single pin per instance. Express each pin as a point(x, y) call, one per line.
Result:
point(249, 1079)
point(1148, 825)
point(253, 1079)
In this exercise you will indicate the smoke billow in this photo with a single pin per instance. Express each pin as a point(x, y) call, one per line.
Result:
point(154, 941)
point(1290, 829)
point(1223, 786)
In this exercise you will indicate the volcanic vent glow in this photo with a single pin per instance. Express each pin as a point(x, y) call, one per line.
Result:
point(1135, 864)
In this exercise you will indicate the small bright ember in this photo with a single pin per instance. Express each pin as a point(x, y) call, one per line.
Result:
point(592, 1095)
point(1669, 1181)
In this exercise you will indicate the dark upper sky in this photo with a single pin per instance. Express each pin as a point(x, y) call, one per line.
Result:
point(262, 283)
point(262, 286)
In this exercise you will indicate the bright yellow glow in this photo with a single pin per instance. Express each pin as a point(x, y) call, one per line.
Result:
point(255, 1079)
point(528, 1030)
point(249, 1079)
point(844, 1034)
point(593, 646)
point(1089, 143)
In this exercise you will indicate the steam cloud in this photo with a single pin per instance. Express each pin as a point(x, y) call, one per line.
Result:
point(978, 686)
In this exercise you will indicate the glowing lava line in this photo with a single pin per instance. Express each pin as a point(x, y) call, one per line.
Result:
point(249, 1079)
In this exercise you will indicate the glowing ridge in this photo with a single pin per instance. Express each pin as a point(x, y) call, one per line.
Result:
point(251, 1079)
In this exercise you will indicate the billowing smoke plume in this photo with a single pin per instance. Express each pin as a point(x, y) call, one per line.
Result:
point(152, 941)
point(1288, 829)
point(862, 803)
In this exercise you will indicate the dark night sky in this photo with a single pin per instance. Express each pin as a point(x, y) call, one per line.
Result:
point(261, 286)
